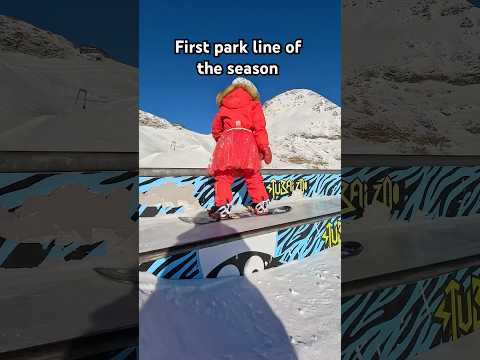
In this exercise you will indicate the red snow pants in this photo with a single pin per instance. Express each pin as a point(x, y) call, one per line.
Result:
point(224, 180)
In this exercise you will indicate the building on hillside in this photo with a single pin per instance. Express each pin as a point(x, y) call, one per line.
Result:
point(92, 52)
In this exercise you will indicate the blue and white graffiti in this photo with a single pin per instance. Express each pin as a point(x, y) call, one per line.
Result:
point(274, 249)
point(18, 188)
point(278, 187)
point(436, 191)
point(402, 321)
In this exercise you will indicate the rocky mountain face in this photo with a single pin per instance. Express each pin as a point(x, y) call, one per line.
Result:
point(147, 119)
point(21, 37)
point(411, 75)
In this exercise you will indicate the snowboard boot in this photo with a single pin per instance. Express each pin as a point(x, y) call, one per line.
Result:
point(260, 208)
point(220, 212)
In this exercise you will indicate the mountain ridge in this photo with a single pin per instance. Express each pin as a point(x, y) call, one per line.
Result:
point(314, 141)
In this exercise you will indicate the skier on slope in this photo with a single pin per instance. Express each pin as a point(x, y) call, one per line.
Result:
point(242, 143)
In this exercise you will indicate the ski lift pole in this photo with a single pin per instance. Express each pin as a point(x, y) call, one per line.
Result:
point(84, 92)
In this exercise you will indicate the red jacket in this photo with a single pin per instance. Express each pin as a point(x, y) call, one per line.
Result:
point(239, 130)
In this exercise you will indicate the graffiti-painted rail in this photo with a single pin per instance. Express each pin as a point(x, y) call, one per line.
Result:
point(62, 215)
point(172, 249)
point(410, 287)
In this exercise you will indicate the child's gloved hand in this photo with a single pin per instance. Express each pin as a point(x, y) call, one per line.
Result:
point(266, 154)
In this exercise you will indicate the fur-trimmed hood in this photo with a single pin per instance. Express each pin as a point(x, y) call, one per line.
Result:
point(251, 89)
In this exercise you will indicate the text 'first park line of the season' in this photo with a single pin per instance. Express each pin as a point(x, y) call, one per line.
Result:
point(259, 47)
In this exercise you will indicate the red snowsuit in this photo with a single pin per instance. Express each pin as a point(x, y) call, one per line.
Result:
point(239, 130)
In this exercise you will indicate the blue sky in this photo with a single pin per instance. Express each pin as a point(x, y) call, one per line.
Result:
point(109, 24)
point(169, 85)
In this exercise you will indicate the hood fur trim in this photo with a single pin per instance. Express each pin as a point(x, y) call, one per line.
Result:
point(251, 90)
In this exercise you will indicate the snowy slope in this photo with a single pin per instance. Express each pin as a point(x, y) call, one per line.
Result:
point(286, 313)
point(165, 145)
point(304, 130)
point(42, 75)
point(411, 75)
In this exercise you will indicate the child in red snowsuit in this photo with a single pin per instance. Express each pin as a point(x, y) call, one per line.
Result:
point(242, 143)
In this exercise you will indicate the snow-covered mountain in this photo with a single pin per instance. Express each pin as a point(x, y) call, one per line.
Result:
point(162, 144)
point(147, 119)
point(58, 97)
point(411, 77)
point(304, 130)
point(21, 37)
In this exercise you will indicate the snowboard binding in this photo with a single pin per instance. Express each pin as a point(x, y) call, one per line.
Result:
point(220, 212)
point(260, 208)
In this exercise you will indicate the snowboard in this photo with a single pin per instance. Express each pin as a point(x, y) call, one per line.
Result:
point(205, 219)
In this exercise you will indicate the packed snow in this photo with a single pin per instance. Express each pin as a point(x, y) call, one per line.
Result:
point(57, 98)
point(411, 75)
point(289, 312)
